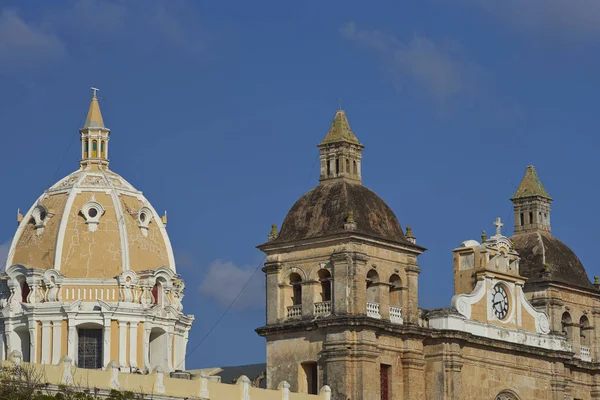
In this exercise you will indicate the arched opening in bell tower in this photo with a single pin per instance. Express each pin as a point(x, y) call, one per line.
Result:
point(325, 280)
point(23, 343)
point(372, 288)
point(157, 349)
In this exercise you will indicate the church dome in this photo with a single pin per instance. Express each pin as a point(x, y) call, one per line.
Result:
point(324, 211)
point(543, 255)
point(92, 223)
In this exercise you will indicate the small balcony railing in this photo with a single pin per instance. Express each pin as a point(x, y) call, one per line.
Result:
point(323, 308)
point(373, 310)
point(294, 311)
point(585, 353)
point(396, 315)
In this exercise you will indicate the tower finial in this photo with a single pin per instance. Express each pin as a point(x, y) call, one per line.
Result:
point(95, 90)
point(531, 204)
point(498, 224)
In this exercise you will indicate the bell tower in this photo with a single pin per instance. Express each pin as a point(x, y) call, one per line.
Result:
point(94, 136)
point(531, 204)
point(341, 280)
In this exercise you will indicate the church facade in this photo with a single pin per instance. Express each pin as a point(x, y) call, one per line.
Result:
point(342, 300)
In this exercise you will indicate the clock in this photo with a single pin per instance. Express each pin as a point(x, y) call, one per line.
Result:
point(499, 302)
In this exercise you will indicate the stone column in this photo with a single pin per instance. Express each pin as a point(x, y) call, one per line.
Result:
point(106, 351)
point(309, 289)
point(46, 342)
point(384, 299)
point(72, 335)
point(33, 342)
point(146, 346)
point(412, 306)
point(275, 306)
point(123, 346)
point(170, 349)
point(133, 344)
point(56, 341)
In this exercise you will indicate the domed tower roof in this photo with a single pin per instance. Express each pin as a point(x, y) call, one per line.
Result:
point(340, 203)
point(92, 223)
point(543, 257)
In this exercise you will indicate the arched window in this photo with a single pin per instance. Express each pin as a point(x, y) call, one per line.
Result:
point(85, 149)
point(295, 281)
point(24, 288)
point(94, 149)
point(158, 292)
point(567, 325)
point(395, 291)
point(325, 280)
point(584, 331)
point(372, 288)
point(102, 148)
point(347, 166)
point(337, 166)
point(355, 168)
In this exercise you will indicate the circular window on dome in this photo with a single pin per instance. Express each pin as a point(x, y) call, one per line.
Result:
point(92, 212)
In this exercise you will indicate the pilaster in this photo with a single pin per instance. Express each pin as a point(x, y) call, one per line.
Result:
point(46, 337)
point(106, 339)
point(275, 306)
point(133, 326)
point(309, 289)
point(412, 306)
point(57, 341)
point(71, 340)
point(33, 342)
point(123, 346)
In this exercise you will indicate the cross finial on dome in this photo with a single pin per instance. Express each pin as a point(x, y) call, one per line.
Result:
point(498, 224)
point(94, 116)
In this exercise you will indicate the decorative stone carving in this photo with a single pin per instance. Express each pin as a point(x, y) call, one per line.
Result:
point(40, 216)
point(92, 211)
point(144, 217)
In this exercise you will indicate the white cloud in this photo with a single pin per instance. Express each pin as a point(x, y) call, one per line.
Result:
point(224, 280)
point(434, 67)
point(26, 44)
point(4, 249)
point(577, 19)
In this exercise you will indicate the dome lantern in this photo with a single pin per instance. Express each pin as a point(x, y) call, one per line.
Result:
point(340, 153)
point(94, 136)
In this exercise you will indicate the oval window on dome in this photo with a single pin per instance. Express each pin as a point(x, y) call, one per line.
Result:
point(92, 212)
point(143, 217)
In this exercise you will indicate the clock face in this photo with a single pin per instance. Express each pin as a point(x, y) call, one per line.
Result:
point(499, 302)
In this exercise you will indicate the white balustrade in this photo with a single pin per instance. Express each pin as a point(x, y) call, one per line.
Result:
point(373, 310)
point(294, 311)
point(323, 308)
point(585, 353)
point(396, 315)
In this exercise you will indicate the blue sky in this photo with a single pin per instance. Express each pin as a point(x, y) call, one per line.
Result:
point(216, 109)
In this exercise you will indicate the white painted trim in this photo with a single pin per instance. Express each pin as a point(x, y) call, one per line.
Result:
point(56, 341)
point(518, 336)
point(19, 232)
point(46, 343)
point(62, 228)
point(122, 344)
point(464, 302)
point(133, 327)
point(542, 324)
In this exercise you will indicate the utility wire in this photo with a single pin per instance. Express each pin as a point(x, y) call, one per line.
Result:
point(212, 328)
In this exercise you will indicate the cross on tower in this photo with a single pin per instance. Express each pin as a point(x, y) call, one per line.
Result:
point(499, 226)
point(95, 90)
